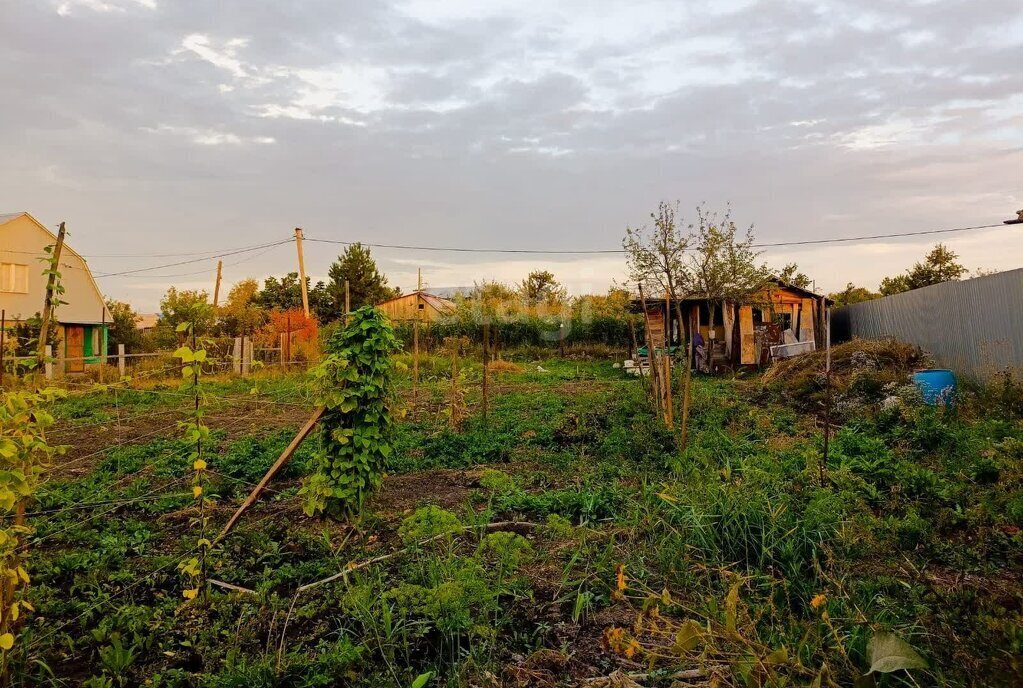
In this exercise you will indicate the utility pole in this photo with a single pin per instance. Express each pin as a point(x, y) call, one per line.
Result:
point(51, 285)
point(216, 289)
point(415, 346)
point(301, 271)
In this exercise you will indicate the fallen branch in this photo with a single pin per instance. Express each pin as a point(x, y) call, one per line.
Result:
point(355, 566)
point(230, 586)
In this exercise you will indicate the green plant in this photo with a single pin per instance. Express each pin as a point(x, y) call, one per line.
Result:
point(117, 659)
point(352, 383)
point(197, 434)
point(25, 452)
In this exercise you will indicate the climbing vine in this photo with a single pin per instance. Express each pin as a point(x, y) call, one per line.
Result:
point(352, 383)
point(197, 434)
point(24, 454)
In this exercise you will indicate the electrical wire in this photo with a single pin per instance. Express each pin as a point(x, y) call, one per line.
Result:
point(195, 260)
point(803, 242)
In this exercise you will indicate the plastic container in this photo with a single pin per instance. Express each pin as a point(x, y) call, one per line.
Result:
point(936, 386)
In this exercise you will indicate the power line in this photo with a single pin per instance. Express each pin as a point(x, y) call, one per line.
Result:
point(804, 242)
point(197, 260)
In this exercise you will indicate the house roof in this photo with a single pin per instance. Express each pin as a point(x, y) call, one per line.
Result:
point(7, 217)
point(805, 293)
point(439, 303)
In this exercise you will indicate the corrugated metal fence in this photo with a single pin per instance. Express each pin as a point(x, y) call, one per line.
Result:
point(974, 327)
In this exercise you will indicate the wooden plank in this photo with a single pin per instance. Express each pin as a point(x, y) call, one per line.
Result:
point(748, 354)
point(278, 465)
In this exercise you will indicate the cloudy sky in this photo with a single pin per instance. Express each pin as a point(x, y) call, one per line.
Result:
point(159, 127)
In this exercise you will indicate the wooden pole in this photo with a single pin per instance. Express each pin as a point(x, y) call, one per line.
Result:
point(651, 357)
point(348, 303)
point(3, 332)
point(48, 302)
point(285, 456)
point(120, 360)
point(216, 288)
point(486, 369)
point(635, 349)
point(415, 342)
point(688, 381)
point(301, 271)
point(102, 345)
point(827, 392)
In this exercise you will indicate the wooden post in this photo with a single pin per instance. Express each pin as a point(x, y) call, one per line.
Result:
point(415, 341)
point(651, 357)
point(348, 303)
point(120, 360)
point(688, 380)
point(486, 369)
point(301, 271)
point(216, 288)
point(635, 349)
point(827, 392)
point(669, 409)
point(236, 356)
point(101, 345)
point(247, 351)
point(287, 339)
point(48, 302)
point(3, 333)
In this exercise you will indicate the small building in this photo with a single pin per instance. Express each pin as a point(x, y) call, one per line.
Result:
point(81, 322)
point(417, 305)
point(743, 333)
point(147, 322)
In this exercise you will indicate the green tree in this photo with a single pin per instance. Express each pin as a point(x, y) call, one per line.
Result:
point(791, 274)
point(123, 327)
point(366, 284)
point(852, 294)
point(541, 287)
point(939, 265)
point(187, 305)
point(241, 314)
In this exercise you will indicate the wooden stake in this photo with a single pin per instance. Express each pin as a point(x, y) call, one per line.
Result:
point(486, 369)
point(688, 382)
point(415, 344)
point(285, 456)
point(651, 358)
point(216, 288)
point(48, 302)
point(827, 392)
point(348, 302)
point(301, 271)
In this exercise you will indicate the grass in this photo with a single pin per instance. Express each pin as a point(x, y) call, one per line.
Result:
point(732, 562)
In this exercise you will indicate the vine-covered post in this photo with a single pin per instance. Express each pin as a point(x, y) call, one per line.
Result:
point(353, 384)
point(196, 434)
point(53, 292)
point(24, 455)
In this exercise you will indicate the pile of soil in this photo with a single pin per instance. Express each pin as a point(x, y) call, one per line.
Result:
point(864, 369)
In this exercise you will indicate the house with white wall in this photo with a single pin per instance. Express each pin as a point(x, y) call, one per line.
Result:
point(81, 321)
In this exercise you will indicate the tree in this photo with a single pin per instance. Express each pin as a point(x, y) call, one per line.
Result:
point(542, 288)
point(367, 286)
point(938, 266)
point(123, 326)
point(241, 314)
point(723, 264)
point(791, 275)
point(852, 294)
point(188, 305)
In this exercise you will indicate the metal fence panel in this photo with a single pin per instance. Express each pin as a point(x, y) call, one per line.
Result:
point(974, 327)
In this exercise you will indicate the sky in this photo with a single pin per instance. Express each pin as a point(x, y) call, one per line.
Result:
point(157, 127)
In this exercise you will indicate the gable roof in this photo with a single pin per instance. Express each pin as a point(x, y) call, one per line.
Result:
point(437, 302)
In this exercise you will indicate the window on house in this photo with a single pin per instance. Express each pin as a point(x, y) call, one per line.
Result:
point(14, 278)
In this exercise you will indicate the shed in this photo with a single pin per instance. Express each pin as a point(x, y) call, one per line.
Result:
point(81, 319)
point(417, 305)
point(742, 333)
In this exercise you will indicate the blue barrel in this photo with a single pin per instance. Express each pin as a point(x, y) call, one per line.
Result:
point(936, 386)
